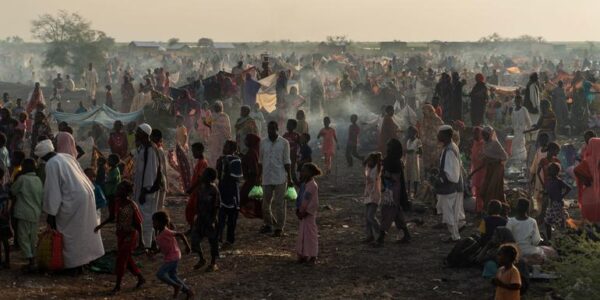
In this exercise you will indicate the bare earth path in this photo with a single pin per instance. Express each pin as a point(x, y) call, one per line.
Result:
point(261, 267)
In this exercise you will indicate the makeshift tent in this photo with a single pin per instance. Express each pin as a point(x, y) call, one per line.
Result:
point(102, 115)
point(266, 96)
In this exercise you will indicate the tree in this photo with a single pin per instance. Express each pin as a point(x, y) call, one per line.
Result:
point(173, 41)
point(71, 41)
point(206, 42)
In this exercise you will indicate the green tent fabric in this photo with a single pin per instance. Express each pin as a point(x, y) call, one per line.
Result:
point(102, 115)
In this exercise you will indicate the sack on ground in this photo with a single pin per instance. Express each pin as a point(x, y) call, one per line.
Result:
point(464, 253)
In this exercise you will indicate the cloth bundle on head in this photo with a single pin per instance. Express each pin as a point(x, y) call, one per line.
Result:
point(144, 127)
point(43, 147)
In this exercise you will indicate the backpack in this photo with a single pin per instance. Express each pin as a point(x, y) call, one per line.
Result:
point(464, 253)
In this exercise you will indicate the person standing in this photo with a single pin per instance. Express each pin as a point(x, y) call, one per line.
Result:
point(449, 187)
point(90, 77)
point(352, 142)
point(118, 140)
point(244, 126)
point(275, 163)
point(307, 207)
point(479, 97)
point(146, 182)
point(493, 161)
point(127, 94)
point(220, 132)
point(229, 170)
point(455, 109)
point(70, 204)
point(520, 123)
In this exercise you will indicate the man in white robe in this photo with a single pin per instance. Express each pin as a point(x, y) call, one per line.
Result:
point(520, 122)
point(71, 207)
point(90, 77)
point(451, 203)
point(146, 184)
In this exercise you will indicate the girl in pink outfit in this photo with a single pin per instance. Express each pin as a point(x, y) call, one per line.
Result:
point(328, 144)
point(307, 205)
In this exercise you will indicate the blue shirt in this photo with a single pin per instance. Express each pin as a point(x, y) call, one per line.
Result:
point(99, 195)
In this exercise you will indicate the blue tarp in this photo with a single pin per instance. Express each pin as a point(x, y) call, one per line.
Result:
point(102, 115)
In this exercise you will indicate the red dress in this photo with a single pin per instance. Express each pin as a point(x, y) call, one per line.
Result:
point(190, 208)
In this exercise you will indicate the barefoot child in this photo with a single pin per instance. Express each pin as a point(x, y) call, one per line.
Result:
point(201, 165)
point(414, 148)
point(166, 240)
point(28, 191)
point(112, 181)
point(508, 278)
point(98, 194)
point(352, 143)
point(229, 170)
point(128, 224)
point(328, 144)
point(556, 190)
point(373, 169)
point(205, 225)
point(307, 205)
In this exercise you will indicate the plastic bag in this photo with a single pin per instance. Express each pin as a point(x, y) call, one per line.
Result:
point(50, 251)
point(291, 194)
point(256, 192)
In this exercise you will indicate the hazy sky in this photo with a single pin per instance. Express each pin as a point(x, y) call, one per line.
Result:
point(299, 20)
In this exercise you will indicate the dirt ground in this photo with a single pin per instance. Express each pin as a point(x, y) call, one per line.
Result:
point(262, 267)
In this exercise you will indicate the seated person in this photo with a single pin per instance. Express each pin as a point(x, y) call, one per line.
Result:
point(493, 220)
point(527, 235)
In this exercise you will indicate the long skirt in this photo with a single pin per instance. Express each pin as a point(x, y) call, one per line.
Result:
point(493, 183)
point(307, 244)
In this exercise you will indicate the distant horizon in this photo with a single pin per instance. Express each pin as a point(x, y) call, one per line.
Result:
point(312, 20)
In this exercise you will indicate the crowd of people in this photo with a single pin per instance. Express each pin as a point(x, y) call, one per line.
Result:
point(420, 143)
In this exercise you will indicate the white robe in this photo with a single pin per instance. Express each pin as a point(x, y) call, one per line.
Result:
point(69, 195)
point(151, 205)
point(91, 82)
point(451, 205)
point(520, 122)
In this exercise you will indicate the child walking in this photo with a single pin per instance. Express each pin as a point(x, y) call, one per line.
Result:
point(201, 165)
point(414, 148)
point(352, 143)
point(508, 278)
point(129, 227)
point(98, 193)
point(372, 195)
point(166, 240)
point(28, 191)
point(328, 144)
point(113, 179)
point(556, 190)
point(307, 206)
point(229, 170)
point(205, 224)
point(5, 223)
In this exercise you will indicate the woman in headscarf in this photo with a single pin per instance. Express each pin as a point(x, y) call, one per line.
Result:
point(428, 129)
point(393, 179)
point(65, 143)
point(250, 208)
point(36, 97)
point(443, 90)
point(546, 122)
point(203, 122)
point(476, 162)
point(588, 179)
point(455, 110)
point(479, 97)
point(127, 93)
point(220, 132)
point(493, 161)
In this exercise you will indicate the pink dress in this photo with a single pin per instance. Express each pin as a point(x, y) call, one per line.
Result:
point(307, 244)
point(329, 137)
